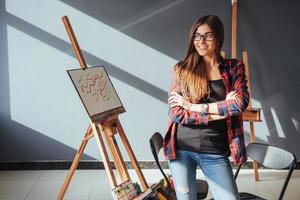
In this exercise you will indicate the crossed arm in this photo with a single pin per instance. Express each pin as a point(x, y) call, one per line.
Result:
point(176, 99)
point(186, 113)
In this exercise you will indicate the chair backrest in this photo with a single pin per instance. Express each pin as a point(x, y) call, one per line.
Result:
point(270, 156)
point(156, 143)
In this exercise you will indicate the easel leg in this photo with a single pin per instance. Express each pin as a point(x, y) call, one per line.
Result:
point(252, 134)
point(104, 155)
point(131, 155)
point(252, 139)
point(75, 162)
point(109, 131)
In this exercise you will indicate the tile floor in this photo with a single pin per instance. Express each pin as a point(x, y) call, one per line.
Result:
point(94, 185)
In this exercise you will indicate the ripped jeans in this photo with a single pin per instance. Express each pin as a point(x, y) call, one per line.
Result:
point(217, 171)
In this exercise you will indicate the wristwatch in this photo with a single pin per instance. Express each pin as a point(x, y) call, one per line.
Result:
point(204, 108)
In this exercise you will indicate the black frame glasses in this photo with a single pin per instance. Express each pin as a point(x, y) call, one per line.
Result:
point(209, 36)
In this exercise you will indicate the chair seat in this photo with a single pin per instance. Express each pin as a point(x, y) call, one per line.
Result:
point(202, 189)
point(248, 196)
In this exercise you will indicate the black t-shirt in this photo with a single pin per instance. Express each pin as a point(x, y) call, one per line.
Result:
point(211, 138)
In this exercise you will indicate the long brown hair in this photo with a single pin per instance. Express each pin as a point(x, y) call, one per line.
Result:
point(191, 71)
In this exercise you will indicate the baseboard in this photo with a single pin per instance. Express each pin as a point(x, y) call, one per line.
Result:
point(63, 165)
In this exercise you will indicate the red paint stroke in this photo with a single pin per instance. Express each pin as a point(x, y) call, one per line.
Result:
point(88, 86)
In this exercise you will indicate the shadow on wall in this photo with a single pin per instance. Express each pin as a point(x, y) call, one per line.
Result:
point(21, 143)
point(274, 67)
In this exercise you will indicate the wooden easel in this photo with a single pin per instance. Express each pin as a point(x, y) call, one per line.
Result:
point(251, 115)
point(105, 129)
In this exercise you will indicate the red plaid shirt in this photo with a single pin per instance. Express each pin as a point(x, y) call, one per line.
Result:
point(233, 74)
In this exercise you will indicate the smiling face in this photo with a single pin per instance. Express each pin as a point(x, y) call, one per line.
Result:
point(205, 41)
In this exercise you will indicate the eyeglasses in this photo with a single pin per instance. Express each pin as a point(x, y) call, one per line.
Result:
point(209, 36)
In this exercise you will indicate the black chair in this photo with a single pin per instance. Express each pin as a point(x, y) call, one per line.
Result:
point(270, 157)
point(156, 143)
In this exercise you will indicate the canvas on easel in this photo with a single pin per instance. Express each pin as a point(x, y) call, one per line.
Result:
point(96, 92)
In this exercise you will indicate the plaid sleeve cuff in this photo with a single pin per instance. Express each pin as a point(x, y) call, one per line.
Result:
point(227, 107)
point(203, 119)
point(222, 108)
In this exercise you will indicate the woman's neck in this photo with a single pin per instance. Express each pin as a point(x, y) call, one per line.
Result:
point(210, 61)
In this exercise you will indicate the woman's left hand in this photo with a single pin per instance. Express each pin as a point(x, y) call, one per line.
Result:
point(176, 99)
point(231, 95)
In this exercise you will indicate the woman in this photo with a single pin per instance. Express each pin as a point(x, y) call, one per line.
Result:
point(206, 99)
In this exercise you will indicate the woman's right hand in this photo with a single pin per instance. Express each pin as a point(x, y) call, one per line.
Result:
point(176, 99)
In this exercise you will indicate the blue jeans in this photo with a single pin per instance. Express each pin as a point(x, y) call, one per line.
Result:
point(217, 171)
